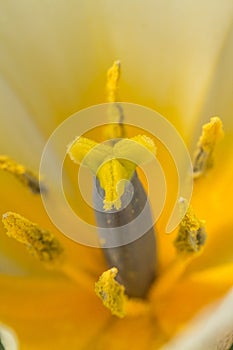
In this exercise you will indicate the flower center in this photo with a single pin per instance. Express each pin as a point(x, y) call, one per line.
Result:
point(119, 199)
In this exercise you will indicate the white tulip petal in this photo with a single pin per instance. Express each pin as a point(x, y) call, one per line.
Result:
point(52, 53)
point(219, 98)
point(169, 50)
point(8, 338)
point(20, 137)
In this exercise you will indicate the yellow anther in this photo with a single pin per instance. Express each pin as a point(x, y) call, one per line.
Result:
point(191, 235)
point(113, 296)
point(44, 246)
point(190, 239)
point(203, 158)
point(115, 128)
point(39, 242)
point(25, 176)
point(211, 133)
point(113, 76)
point(112, 293)
point(112, 164)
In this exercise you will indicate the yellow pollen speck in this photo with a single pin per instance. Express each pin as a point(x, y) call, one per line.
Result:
point(25, 176)
point(39, 242)
point(191, 235)
point(112, 293)
point(203, 158)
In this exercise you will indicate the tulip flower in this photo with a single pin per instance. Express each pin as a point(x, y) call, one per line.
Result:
point(176, 59)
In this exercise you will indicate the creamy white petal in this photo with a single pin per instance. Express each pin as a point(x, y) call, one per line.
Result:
point(8, 338)
point(219, 98)
point(20, 137)
point(55, 53)
point(169, 50)
point(52, 54)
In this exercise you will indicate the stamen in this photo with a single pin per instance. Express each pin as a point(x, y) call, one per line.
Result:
point(191, 235)
point(203, 157)
point(113, 296)
point(115, 128)
point(44, 246)
point(25, 176)
point(39, 242)
point(112, 293)
point(113, 76)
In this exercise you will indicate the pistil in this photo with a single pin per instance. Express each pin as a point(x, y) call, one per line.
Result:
point(122, 209)
point(128, 243)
